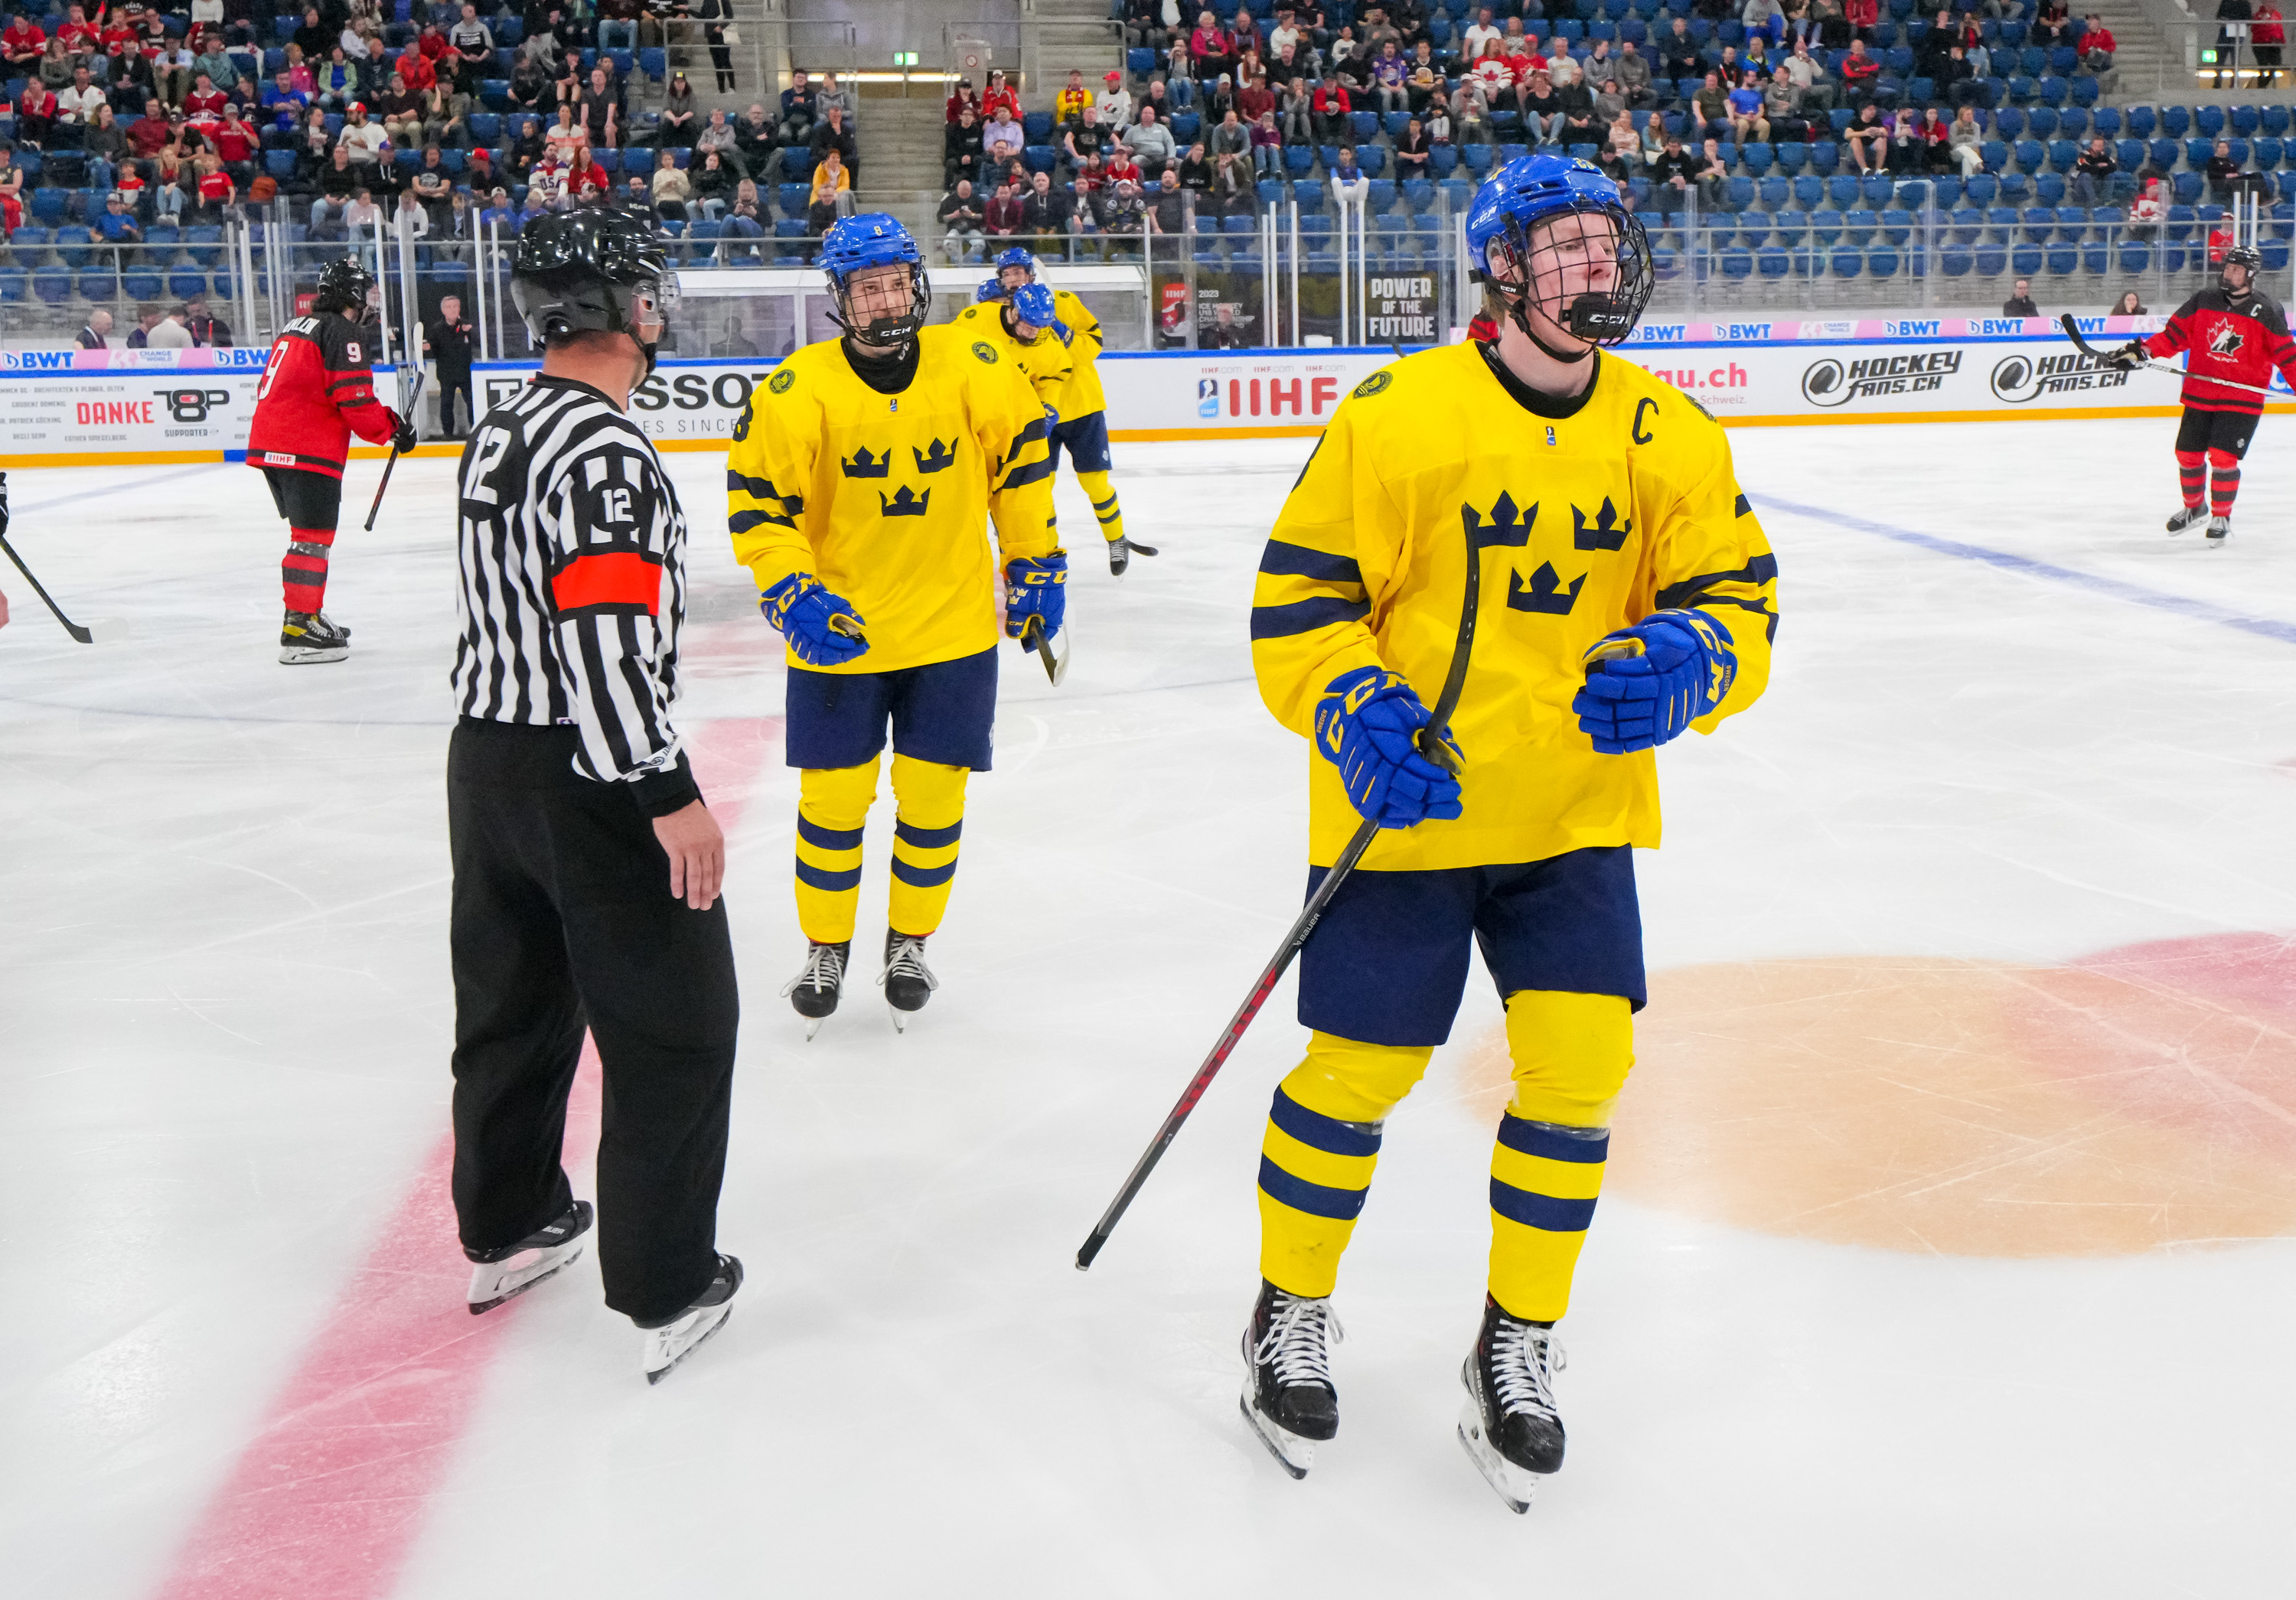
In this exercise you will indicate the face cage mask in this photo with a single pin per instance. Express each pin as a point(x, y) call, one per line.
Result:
point(882, 333)
point(1601, 319)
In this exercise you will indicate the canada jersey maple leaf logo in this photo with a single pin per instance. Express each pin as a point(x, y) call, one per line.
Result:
point(2226, 341)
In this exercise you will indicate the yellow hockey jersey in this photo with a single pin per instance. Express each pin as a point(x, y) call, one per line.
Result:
point(886, 498)
point(1583, 522)
point(1045, 360)
point(1084, 395)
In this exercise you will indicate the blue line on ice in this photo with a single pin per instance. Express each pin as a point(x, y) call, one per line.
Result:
point(2199, 610)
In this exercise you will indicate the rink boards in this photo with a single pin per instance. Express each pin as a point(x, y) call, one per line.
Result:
point(81, 407)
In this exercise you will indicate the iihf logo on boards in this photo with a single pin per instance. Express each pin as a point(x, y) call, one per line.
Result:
point(1208, 397)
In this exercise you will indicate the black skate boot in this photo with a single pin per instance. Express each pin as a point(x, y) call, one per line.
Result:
point(909, 981)
point(2188, 517)
point(1120, 552)
point(505, 1274)
point(2219, 530)
point(669, 1340)
point(1287, 1397)
point(306, 637)
point(1510, 1427)
point(814, 990)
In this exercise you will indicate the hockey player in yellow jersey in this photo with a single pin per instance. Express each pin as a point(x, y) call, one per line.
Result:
point(859, 487)
point(1082, 426)
point(1028, 333)
point(1627, 591)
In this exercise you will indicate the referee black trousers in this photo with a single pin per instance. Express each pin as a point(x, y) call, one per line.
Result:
point(563, 920)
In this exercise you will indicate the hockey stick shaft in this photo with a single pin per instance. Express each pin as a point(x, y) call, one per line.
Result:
point(2073, 333)
point(1432, 746)
point(413, 398)
point(71, 626)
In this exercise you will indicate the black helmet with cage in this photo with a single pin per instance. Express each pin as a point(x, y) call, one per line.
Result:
point(344, 285)
point(592, 271)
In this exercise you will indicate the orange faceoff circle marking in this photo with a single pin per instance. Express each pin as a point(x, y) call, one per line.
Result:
point(2137, 1101)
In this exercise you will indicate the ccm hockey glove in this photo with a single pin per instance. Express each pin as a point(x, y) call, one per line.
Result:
point(1035, 585)
point(1367, 725)
point(1675, 668)
point(805, 613)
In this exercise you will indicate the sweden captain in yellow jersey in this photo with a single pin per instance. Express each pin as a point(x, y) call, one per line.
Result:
point(1626, 593)
point(860, 488)
point(1081, 424)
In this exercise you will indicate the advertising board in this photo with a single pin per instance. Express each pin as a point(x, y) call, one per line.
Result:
point(84, 406)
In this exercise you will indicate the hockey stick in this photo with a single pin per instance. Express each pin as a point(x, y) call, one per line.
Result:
point(1430, 745)
point(1032, 637)
point(104, 632)
point(413, 398)
point(2073, 333)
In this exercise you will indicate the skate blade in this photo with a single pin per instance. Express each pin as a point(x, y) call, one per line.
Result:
point(1292, 1453)
point(900, 1019)
point(307, 655)
point(666, 1348)
point(1511, 1483)
point(498, 1283)
point(813, 1026)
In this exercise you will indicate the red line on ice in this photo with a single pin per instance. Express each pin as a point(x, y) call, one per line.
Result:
point(325, 1501)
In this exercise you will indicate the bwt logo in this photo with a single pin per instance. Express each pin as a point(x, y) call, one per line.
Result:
point(1297, 397)
point(1831, 382)
point(193, 405)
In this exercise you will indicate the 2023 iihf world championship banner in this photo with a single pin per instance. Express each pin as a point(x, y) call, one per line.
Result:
point(66, 407)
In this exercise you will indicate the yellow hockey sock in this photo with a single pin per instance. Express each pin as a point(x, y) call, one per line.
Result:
point(833, 804)
point(1571, 1055)
point(1104, 504)
point(930, 798)
point(1322, 1142)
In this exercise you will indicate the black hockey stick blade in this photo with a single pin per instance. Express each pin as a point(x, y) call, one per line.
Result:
point(1432, 745)
point(2080, 340)
point(413, 398)
point(95, 633)
point(1032, 636)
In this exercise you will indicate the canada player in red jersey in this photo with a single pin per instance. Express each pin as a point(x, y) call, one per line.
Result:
point(2231, 334)
point(317, 390)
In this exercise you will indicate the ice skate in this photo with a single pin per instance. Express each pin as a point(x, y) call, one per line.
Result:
point(505, 1274)
point(2186, 516)
point(814, 991)
point(670, 1340)
point(308, 637)
point(1120, 552)
point(2219, 530)
point(1287, 1397)
point(909, 981)
point(1509, 1426)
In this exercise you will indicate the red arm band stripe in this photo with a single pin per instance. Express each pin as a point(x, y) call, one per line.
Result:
point(610, 578)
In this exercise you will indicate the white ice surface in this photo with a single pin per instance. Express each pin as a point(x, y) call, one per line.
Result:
point(225, 1016)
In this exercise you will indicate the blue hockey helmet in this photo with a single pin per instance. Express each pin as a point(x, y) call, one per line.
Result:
point(1512, 217)
point(989, 290)
point(1032, 303)
point(854, 245)
point(1018, 256)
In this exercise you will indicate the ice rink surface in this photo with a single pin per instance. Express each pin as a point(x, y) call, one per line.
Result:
point(1949, 1248)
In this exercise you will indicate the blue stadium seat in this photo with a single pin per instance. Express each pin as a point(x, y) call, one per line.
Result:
point(2208, 121)
point(2175, 120)
point(1857, 226)
point(2041, 122)
point(1036, 127)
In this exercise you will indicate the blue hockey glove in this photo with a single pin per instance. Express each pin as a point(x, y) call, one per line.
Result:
point(1678, 667)
point(804, 611)
point(1367, 725)
point(1035, 585)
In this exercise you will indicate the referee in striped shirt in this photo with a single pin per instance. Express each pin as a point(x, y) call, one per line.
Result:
point(586, 867)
